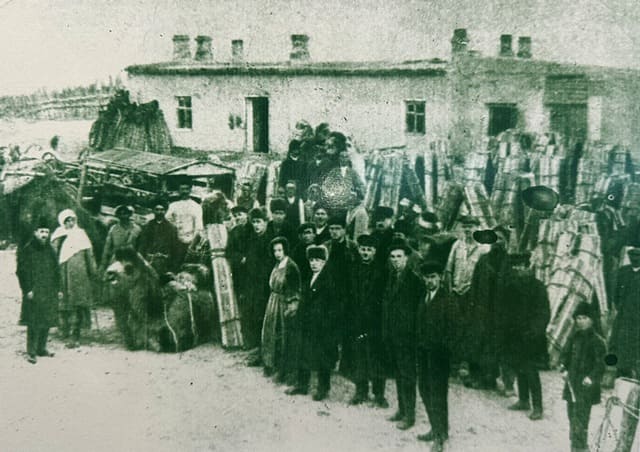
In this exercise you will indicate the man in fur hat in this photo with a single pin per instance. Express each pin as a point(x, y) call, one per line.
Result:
point(39, 277)
point(279, 226)
point(158, 242)
point(363, 349)
point(403, 292)
point(383, 233)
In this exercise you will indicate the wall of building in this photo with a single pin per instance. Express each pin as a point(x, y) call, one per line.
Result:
point(370, 109)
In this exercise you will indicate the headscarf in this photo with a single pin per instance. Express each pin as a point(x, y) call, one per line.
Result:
point(76, 239)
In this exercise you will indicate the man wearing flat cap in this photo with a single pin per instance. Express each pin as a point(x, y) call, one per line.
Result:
point(122, 234)
point(435, 336)
point(363, 350)
point(158, 242)
point(625, 335)
point(306, 237)
point(403, 292)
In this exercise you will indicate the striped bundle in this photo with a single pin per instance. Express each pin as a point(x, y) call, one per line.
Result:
point(413, 184)
point(390, 181)
point(605, 183)
point(373, 171)
point(544, 253)
point(478, 205)
point(513, 164)
point(576, 277)
point(589, 171)
point(475, 167)
point(436, 172)
point(223, 286)
point(547, 171)
point(273, 170)
point(631, 201)
point(449, 204)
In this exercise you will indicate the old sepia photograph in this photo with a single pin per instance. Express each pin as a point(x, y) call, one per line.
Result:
point(320, 225)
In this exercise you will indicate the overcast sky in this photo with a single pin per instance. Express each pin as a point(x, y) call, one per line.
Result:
point(61, 43)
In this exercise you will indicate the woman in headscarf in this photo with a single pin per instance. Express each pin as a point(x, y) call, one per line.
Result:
point(78, 268)
point(285, 295)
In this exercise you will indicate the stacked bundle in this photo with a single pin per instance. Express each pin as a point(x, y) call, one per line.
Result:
point(476, 202)
point(605, 183)
point(223, 286)
point(449, 204)
point(547, 170)
point(436, 172)
point(412, 183)
point(631, 202)
point(589, 171)
point(576, 277)
point(390, 182)
point(129, 125)
point(273, 171)
point(475, 167)
point(543, 255)
point(374, 169)
point(619, 160)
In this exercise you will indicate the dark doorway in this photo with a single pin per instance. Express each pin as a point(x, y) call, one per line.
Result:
point(260, 127)
point(502, 117)
point(569, 120)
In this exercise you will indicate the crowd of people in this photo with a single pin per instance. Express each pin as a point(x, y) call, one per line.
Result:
point(327, 287)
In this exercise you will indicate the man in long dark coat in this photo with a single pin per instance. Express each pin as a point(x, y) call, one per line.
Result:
point(39, 277)
point(435, 335)
point(403, 292)
point(279, 226)
point(294, 168)
point(524, 340)
point(158, 241)
point(363, 350)
point(317, 318)
point(236, 251)
point(255, 294)
point(625, 336)
point(306, 237)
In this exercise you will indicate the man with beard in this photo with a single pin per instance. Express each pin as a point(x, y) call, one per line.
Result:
point(320, 218)
point(295, 206)
point(306, 238)
point(293, 168)
point(524, 333)
point(39, 277)
point(403, 292)
point(255, 294)
point(158, 241)
point(236, 251)
point(435, 335)
point(363, 349)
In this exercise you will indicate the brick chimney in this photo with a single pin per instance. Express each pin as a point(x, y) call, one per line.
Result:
point(459, 41)
point(181, 49)
point(203, 50)
point(237, 51)
point(300, 48)
point(524, 47)
point(505, 46)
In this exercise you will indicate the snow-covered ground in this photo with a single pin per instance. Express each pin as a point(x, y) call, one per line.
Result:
point(101, 397)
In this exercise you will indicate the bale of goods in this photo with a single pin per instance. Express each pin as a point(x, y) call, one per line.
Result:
point(589, 171)
point(478, 204)
point(548, 171)
point(413, 184)
point(606, 182)
point(619, 161)
point(373, 171)
point(228, 311)
point(631, 201)
point(576, 277)
point(475, 167)
point(618, 431)
point(436, 172)
point(391, 181)
point(543, 255)
point(449, 204)
point(271, 191)
point(513, 164)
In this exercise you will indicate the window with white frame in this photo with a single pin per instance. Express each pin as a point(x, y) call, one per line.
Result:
point(184, 112)
point(415, 116)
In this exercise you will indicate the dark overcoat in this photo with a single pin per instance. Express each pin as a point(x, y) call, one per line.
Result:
point(38, 272)
point(437, 326)
point(625, 335)
point(583, 356)
point(523, 333)
point(399, 307)
point(317, 324)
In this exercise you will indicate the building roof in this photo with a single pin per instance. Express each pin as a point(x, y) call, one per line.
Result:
point(156, 164)
point(435, 67)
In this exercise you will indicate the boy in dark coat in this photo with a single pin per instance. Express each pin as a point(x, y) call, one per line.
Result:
point(317, 318)
point(362, 351)
point(39, 277)
point(524, 340)
point(306, 237)
point(435, 334)
point(583, 367)
point(403, 292)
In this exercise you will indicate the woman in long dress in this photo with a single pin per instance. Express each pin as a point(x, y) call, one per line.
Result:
point(285, 295)
point(77, 269)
